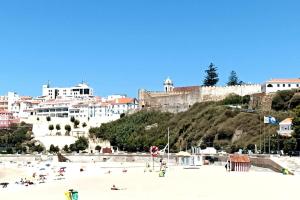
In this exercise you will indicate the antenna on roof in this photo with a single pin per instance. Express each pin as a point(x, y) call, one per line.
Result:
point(48, 84)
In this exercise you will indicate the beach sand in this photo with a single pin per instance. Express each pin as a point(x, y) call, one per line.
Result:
point(206, 183)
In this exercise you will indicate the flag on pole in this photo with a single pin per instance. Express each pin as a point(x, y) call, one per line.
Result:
point(266, 120)
point(270, 120)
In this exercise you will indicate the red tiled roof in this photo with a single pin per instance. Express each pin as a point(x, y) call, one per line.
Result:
point(239, 158)
point(122, 101)
point(186, 89)
point(288, 80)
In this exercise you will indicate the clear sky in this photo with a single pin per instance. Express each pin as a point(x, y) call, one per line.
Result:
point(119, 46)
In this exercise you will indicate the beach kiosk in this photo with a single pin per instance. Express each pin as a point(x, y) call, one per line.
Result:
point(183, 158)
point(238, 163)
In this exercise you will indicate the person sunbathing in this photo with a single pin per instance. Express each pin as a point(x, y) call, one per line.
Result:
point(4, 185)
point(116, 188)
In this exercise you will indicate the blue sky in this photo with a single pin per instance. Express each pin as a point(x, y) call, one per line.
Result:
point(120, 46)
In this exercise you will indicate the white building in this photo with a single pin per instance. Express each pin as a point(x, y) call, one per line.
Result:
point(285, 127)
point(275, 85)
point(81, 90)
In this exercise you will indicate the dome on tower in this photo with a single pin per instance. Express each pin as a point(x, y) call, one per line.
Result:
point(168, 81)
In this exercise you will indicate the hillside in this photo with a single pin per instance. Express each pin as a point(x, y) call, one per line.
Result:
point(204, 124)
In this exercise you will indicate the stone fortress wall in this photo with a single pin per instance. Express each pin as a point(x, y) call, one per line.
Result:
point(180, 99)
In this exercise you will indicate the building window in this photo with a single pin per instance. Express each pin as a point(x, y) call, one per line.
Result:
point(269, 85)
point(289, 85)
point(297, 84)
point(283, 85)
point(278, 85)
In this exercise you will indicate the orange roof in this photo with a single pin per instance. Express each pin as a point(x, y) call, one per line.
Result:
point(290, 80)
point(239, 158)
point(287, 121)
point(186, 89)
point(124, 100)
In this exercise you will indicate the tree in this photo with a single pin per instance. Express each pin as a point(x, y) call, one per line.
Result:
point(51, 127)
point(211, 78)
point(289, 145)
point(295, 101)
point(76, 123)
point(98, 148)
point(72, 147)
point(66, 148)
point(48, 118)
point(68, 129)
point(283, 100)
point(53, 149)
point(296, 126)
point(84, 125)
point(81, 144)
point(9, 150)
point(251, 147)
point(38, 148)
point(72, 119)
point(57, 127)
point(233, 79)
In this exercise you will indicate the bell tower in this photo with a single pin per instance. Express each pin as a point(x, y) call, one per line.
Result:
point(168, 85)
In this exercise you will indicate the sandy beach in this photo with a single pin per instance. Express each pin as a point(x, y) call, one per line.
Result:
point(207, 183)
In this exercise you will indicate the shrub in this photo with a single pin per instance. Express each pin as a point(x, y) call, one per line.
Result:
point(98, 148)
point(295, 101)
point(282, 100)
point(232, 99)
point(9, 150)
point(76, 123)
point(66, 148)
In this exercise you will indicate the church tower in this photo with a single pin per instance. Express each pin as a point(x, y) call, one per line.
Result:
point(168, 85)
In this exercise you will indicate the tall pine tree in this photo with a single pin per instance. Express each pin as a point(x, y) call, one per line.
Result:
point(233, 79)
point(211, 77)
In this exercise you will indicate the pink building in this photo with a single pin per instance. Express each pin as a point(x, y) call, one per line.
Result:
point(7, 119)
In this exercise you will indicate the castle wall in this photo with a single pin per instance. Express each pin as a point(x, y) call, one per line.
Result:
point(171, 101)
point(219, 93)
point(181, 101)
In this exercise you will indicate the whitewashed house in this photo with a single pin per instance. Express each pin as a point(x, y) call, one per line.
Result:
point(275, 85)
point(285, 127)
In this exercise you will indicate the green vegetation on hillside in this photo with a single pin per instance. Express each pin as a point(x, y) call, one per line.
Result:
point(286, 100)
point(204, 124)
point(18, 139)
